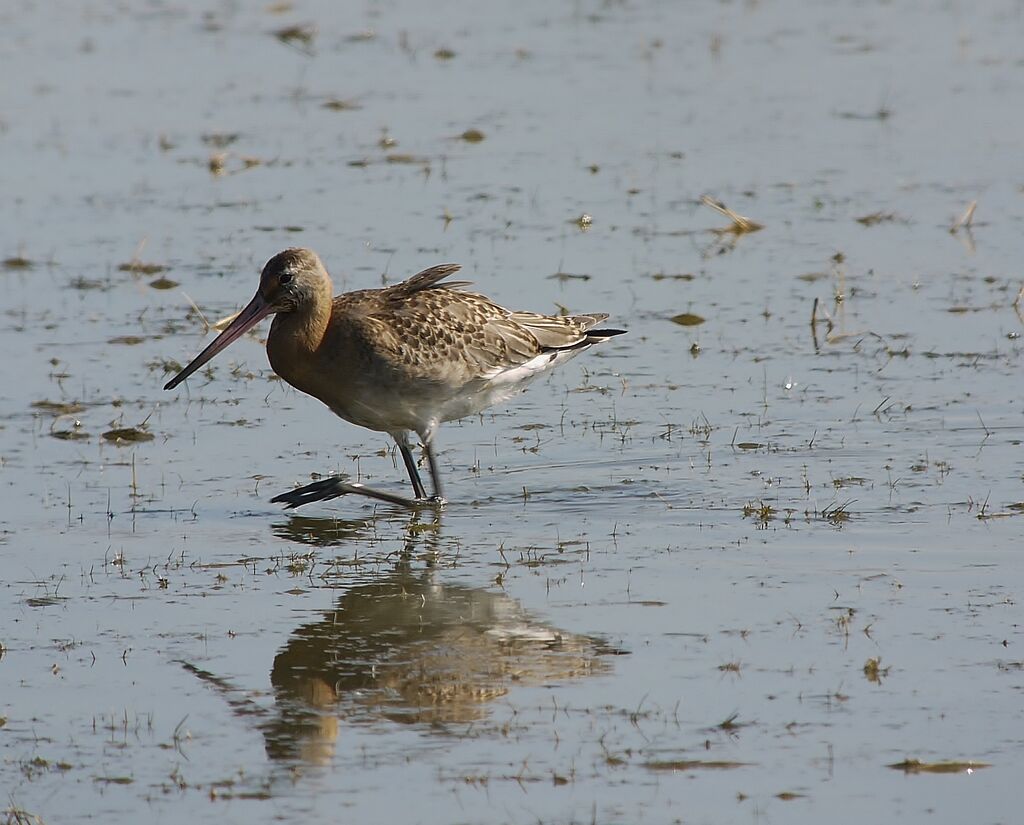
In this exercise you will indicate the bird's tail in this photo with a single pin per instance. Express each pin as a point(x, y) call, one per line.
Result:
point(596, 336)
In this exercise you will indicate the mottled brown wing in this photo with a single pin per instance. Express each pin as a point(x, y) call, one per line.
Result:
point(557, 331)
point(427, 279)
point(435, 333)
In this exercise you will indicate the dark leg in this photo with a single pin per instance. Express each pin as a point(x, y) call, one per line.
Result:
point(338, 485)
point(435, 475)
point(414, 473)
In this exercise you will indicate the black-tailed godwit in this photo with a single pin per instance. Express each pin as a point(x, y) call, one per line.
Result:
point(401, 359)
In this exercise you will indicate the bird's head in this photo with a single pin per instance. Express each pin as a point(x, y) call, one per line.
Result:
point(291, 280)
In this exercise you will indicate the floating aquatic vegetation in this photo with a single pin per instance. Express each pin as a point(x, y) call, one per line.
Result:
point(71, 435)
point(338, 105)
point(693, 765)
point(873, 670)
point(141, 268)
point(127, 435)
point(300, 35)
point(881, 113)
point(220, 140)
point(399, 158)
point(84, 284)
point(17, 262)
point(876, 218)
point(677, 276)
point(952, 766)
point(58, 407)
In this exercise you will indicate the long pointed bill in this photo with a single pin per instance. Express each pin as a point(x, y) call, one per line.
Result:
point(255, 311)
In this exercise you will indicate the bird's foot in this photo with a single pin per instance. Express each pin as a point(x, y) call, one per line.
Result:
point(322, 490)
point(336, 486)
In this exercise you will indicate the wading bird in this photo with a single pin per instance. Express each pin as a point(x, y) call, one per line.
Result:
point(400, 359)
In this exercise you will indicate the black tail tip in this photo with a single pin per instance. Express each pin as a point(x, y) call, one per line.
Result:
point(604, 334)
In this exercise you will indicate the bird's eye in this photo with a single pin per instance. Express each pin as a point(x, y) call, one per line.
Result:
point(286, 278)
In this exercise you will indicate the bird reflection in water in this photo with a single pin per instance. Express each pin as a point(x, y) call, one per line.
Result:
point(411, 647)
point(323, 532)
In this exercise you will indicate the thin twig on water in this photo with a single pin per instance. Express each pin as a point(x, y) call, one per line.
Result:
point(740, 224)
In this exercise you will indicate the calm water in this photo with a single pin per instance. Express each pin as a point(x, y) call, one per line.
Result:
point(733, 571)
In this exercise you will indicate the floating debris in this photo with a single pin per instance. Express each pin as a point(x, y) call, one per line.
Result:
point(338, 105)
point(301, 35)
point(965, 220)
point(876, 218)
point(763, 513)
point(127, 435)
point(740, 224)
point(472, 136)
point(873, 670)
point(17, 262)
point(881, 113)
point(163, 283)
point(45, 601)
point(953, 766)
point(364, 36)
point(568, 276)
point(165, 365)
point(113, 780)
point(224, 322)
point(58, 407)
point(444, 54)
point(687, 319)
point(693, 764)
point(71, 435)
point(279, 228)
point(141, 268)
point(129, 340)
point(584, 222)
point(406, 159)
point(84, 284)
point(220, 140)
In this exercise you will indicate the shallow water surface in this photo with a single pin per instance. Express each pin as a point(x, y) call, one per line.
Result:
point(755, 561)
